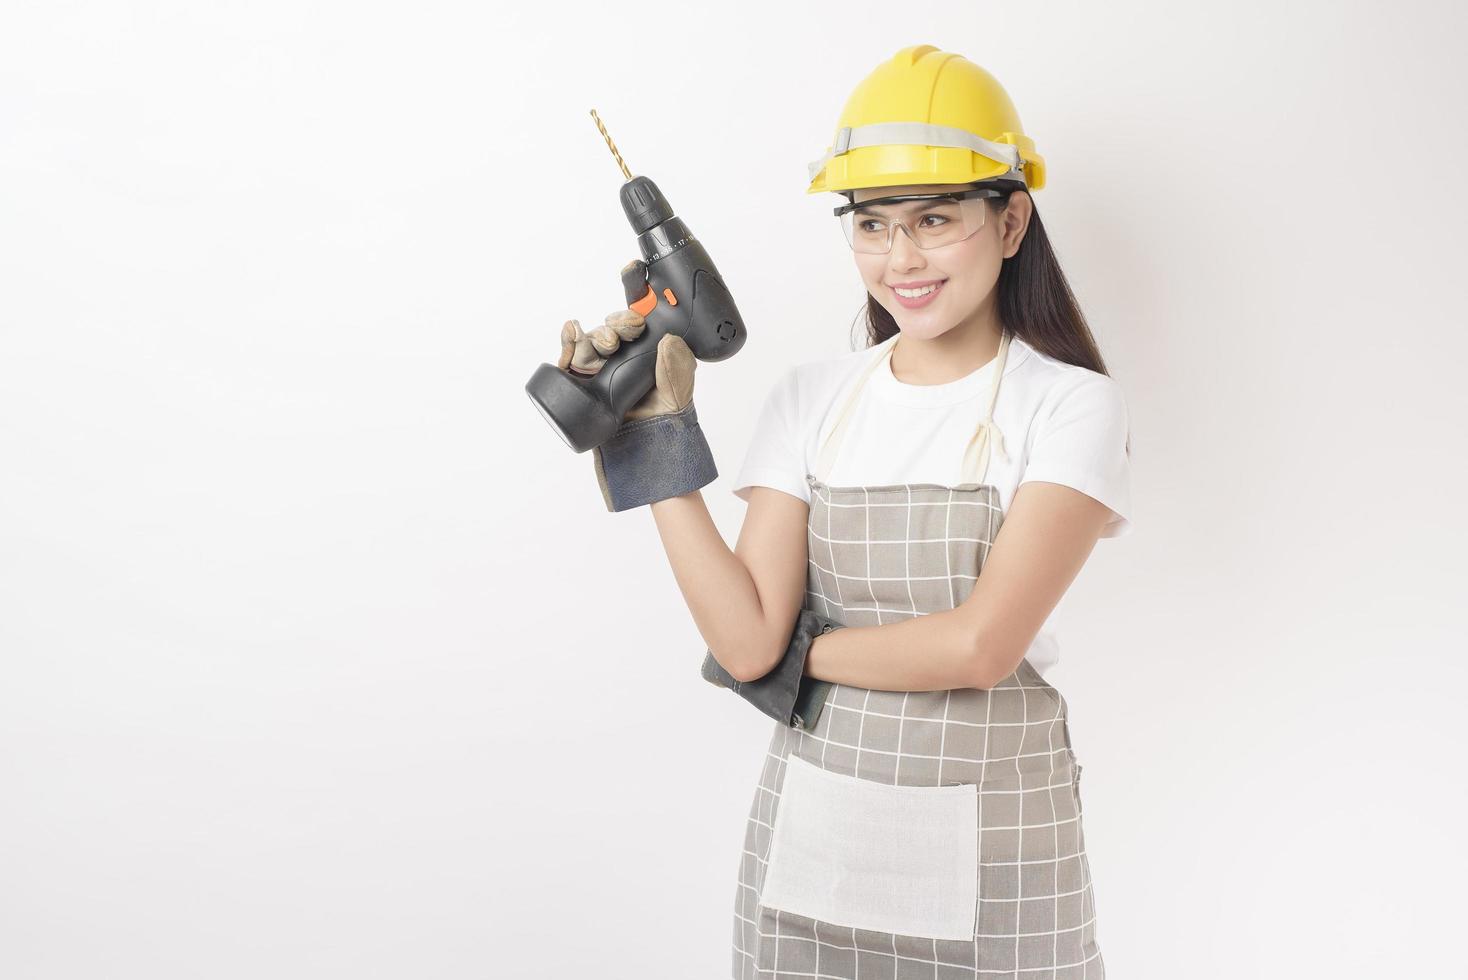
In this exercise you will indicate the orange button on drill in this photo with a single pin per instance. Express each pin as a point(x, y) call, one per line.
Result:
point(645, 305)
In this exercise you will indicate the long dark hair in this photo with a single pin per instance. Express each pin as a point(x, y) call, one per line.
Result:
point(1035, 302)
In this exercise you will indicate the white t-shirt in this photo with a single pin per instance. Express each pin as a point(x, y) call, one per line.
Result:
point(1061, 423)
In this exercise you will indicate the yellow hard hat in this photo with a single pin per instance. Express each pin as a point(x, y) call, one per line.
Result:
point(927, 116)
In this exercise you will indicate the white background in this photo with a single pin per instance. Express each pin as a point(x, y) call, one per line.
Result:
point(320, 655)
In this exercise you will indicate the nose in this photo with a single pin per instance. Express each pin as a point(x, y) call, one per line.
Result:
point(903, 253)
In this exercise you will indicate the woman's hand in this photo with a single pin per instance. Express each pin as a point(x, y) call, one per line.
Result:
point(586, 353)
point(659, 450)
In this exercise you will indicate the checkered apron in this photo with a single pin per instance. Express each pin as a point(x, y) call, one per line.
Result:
point(879, 554)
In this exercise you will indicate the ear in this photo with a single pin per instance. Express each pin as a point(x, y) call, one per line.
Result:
point(1015, 220)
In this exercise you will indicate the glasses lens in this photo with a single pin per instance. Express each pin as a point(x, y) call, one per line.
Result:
point(930, 224)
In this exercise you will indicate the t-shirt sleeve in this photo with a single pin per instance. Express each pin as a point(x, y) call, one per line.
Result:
point(776, 457)
point(1081, 443)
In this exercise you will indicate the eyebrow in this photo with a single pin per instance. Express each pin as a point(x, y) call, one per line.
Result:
point(909, 206)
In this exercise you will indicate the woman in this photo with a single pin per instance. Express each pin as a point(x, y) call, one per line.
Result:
point(919, 810)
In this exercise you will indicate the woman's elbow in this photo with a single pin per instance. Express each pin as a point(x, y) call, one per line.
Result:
point(745, 665)
point(993, 656)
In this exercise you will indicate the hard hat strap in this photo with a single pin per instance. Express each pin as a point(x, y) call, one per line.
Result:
point(918, 134)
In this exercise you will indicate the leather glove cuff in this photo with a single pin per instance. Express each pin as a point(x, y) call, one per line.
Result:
point(786, 693)
point(654, 458)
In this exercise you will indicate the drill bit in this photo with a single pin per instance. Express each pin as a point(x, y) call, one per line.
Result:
point(610, 145)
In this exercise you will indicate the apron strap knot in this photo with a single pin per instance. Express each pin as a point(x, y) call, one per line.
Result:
point(987, 438)
point(998, 438)
point(986, 441)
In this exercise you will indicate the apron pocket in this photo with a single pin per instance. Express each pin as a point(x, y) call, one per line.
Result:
point(869, 855)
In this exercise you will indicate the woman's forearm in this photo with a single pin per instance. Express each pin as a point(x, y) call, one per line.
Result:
point(716, 585)
point(934, 652)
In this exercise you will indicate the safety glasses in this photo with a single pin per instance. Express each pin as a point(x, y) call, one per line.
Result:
point(935, 221)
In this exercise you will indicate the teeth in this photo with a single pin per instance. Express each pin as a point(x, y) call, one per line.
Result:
point(914, 293)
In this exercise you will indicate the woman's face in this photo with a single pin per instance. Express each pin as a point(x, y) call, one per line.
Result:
point(967, 270)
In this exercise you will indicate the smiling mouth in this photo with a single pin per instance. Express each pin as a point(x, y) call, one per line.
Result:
point(919, 291)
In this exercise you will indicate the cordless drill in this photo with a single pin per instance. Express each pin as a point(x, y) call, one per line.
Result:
point(679, 291)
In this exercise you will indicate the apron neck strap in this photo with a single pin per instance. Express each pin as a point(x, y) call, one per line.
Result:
point(985, 440)
point(832, 443)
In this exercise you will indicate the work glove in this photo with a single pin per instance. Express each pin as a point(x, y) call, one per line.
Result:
point(787, 694)
point(659, 451)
